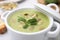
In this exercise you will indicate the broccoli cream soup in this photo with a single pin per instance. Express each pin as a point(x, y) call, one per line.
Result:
point(28, 20)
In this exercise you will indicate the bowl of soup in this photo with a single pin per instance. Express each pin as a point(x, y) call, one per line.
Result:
point(28, 21)
point(28, 24)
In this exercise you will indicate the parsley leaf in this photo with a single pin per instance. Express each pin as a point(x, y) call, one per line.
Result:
point(28, 23)
point(21, 19)
point(32, 21)
point(26, 26)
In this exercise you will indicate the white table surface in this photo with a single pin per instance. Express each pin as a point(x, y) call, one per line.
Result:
point(26, 3)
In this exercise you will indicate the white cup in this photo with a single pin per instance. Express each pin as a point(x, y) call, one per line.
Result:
point(41, 35)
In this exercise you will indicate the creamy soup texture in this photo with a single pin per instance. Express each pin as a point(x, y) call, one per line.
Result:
point(28, 20)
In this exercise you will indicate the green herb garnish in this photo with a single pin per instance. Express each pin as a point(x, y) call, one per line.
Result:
point(28, 23)
point(21, 19)
point(26, 26)
point(32, 21)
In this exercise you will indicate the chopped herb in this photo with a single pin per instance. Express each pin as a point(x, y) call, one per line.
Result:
point(26, 26)
point(32, 21)
point(21, 19)
point(28, 23)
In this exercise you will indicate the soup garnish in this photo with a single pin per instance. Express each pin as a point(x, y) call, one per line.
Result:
point(29, 22)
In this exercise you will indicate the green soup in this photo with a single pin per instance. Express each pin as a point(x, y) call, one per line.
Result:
point(28, 20)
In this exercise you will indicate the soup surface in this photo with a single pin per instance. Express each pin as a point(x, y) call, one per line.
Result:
point(28, 20)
